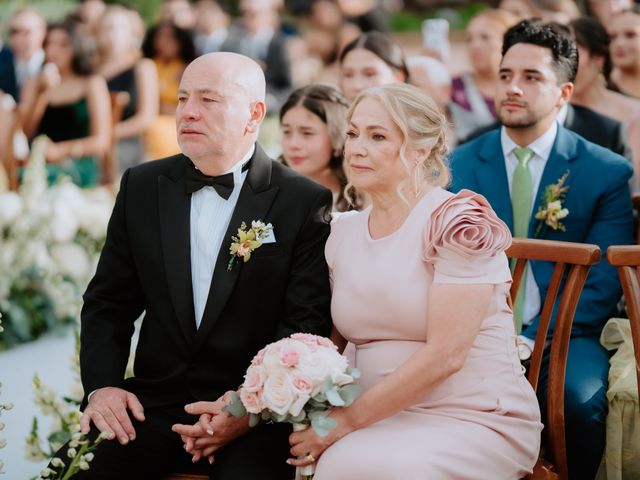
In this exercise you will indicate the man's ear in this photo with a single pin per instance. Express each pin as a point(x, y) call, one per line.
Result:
point(566, 91)
point(258, 111)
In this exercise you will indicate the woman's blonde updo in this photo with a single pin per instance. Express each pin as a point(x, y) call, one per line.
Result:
point(423, 126)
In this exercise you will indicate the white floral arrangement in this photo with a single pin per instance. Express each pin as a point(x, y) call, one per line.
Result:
point(298, 380)
point(3, 407)
point(50, 239)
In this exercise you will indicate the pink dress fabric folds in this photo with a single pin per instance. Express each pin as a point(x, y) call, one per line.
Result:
point(481, 423)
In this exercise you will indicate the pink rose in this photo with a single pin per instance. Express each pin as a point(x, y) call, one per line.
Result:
point(254, 379)
point(252, 401)
point(301, 383)
point(257, 360)
point(289, 355)
point(465, 226)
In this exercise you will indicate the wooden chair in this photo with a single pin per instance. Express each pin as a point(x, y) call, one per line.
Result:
point(627, 260)
point(186, 476)
point(572, 260)
point(109, 163)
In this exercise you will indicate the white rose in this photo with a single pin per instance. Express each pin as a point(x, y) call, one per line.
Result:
point(322, 364)
point(64, 224)
point(95, 218)
point(72, 261)
point(278, 394)
point(10, 207)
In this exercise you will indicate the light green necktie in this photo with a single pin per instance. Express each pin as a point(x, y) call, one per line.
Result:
point(521, 204)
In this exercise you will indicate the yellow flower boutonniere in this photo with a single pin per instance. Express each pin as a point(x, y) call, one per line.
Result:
point(247, 240)
point(552, 212)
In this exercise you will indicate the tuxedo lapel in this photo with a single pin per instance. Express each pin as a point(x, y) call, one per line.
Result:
point(254, 203)
point(492, 178)
point(560, 161)
point(175, 207)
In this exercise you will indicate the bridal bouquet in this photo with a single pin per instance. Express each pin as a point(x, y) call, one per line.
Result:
point(298, 380)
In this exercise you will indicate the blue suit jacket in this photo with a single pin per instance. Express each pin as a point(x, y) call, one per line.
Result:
point(599, 203)
point(8, 82)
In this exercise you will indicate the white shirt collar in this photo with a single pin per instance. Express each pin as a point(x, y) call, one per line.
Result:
point(541, 146)
point(237, 167)
point(562, 114)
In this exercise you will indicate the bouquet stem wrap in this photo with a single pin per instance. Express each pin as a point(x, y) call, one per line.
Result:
point(304, 473)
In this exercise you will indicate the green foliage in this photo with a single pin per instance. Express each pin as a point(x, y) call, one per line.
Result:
point(30, 311)
point(411, 20)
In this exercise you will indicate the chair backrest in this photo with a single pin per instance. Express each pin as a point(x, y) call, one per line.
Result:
point(572, 262)
point(109, 163)
point(627, 260)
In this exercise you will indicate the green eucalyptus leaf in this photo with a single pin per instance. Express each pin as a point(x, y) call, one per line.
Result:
point(323, 425)
point(349, 393)
point(334, 398)
point(235, 408)
point(254, 419)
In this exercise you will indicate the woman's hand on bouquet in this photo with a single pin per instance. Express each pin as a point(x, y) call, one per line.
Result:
point(214, 429)
point(307, 445)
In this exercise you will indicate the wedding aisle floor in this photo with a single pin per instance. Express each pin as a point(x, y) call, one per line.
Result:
point(49, 357)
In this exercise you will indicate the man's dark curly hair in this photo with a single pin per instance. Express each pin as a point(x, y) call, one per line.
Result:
point(562, 47)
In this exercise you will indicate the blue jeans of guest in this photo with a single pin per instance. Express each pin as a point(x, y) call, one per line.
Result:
point(585, 404)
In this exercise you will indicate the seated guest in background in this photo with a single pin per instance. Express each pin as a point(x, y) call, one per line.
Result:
point(367, 15)
point(89, 13)
point(591, 86)
point(432, 76)
point(593, 126)
point(70, 105)
point(23, 57)
point(624, 30)
point(258, 36)
point(178, 12)
point(444, 395)
point(120, 62)
point(512, 167)
point(212, 26)
point(603, 10)
point(313, 122)
point(171, 48)
point(471, 105)
point(370, 60)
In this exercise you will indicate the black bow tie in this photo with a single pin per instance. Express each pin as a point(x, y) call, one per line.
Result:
point(195, 180)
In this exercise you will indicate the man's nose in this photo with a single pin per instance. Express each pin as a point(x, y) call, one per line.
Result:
point(190, 110)
point(513, 88)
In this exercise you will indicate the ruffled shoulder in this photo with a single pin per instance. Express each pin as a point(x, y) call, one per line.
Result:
point(465, 241)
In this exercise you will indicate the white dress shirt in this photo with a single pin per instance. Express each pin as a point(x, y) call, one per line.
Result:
point(541, 148)
point(30, 68)
point(209, 220)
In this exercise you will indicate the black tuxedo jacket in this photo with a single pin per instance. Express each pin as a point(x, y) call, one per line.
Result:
point(8, 83)
point(145, 267)
point(593, 126)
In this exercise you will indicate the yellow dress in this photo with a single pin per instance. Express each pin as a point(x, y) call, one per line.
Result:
point(161, 140)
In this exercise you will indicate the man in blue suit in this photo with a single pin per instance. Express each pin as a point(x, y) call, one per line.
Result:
point(512, 167)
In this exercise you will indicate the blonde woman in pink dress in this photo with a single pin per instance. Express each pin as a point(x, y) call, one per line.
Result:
point(420, 286)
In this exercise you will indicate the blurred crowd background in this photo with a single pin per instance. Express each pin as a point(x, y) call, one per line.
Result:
point(100, 78)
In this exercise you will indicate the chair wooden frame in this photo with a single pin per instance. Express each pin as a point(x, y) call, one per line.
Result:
point(626, 258)
point(572, 264)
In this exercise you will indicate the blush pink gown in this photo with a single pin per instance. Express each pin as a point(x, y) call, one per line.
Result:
point(481, 423)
